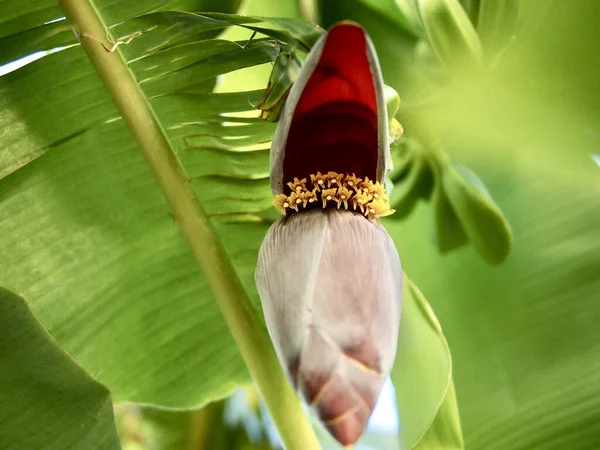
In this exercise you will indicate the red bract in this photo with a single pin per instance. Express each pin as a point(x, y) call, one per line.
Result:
point(334, 119)
point(334, 126)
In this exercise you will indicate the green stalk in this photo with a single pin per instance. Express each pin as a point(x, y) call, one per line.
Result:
point(251, 338)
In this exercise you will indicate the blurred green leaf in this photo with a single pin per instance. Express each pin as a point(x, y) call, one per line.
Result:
point(450, 233)
point(497, 23)
point(233, 423)
point(404, 13)
point(524, 335)
point(46, 400)
point(401, 158)
point(223, 6)
point(204, 428)
point(410, 10)
point(450, 32)
point(162, 429)
point(471, 7)
point(463, 209)
point(422, 374)
point(482, 220)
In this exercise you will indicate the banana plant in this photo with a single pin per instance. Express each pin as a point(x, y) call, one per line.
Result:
point(134, 200)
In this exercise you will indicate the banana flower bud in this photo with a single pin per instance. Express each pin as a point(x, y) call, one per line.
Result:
point(328, 273)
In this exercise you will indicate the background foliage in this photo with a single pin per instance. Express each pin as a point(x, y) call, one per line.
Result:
point(88, 241)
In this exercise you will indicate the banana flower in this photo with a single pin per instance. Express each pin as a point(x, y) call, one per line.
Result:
point(328, 273)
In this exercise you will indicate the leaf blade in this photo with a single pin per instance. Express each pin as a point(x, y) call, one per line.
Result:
point(46, 399)
point(422, 374)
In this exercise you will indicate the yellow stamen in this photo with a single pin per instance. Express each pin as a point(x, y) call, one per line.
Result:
point(294, 200)
point(279, 201)
point(335, 190)
point(352, 180)
point(318, 180)
point(334, 179)
point(328, 195)
point(297, 185)
point(343, 196)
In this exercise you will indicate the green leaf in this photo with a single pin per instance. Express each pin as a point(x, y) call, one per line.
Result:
point(44, 37)
point(450, 32)
point(471, 7)
point(497, 23)
point(29, 15)
point(297, 33)
point(482, 220)
point(449, 231)
point(94, 249)
point(101, 238)
point(46, 400)
point(422, 375)
point(445, 432)
point(27, 123)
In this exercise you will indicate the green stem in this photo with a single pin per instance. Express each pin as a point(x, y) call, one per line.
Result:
point(250, 336)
